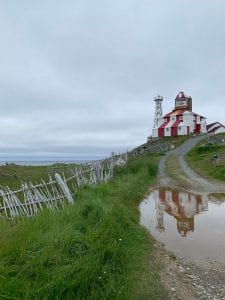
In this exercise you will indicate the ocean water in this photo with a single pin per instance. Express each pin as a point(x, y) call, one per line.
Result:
point(46, 162)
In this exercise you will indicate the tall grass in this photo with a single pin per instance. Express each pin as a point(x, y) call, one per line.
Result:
point(93, 249)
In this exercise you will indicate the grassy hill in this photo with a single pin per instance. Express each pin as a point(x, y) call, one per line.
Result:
point(12, 175)
point(93, 249)
point(208, 160)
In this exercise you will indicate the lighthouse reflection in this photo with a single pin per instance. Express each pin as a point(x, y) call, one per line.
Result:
point(183, 206)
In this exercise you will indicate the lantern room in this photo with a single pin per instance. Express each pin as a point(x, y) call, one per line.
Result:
point(183, 102)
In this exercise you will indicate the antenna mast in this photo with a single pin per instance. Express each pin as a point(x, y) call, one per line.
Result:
point(158, 109)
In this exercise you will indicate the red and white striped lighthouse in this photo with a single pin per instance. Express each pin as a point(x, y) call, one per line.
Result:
point(181, 121)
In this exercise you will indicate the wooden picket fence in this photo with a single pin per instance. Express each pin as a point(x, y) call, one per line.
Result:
point(54, 194)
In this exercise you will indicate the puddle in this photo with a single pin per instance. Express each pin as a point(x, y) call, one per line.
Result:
point(189, 225)
point(217, 196)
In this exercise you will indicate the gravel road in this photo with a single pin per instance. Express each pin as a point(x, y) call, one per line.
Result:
point(183, 279)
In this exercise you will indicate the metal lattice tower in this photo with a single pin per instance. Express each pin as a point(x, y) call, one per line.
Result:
point(160, 221)
point(159, 216)
point(158, 109)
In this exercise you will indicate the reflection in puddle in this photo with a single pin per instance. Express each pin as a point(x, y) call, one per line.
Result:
point(217, 197)
point(183, 206)
point(190, 225)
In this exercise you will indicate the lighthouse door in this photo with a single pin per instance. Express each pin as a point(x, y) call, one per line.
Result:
point(198, 128)
point(174, 131)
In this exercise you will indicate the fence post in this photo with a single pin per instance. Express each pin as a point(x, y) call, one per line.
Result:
point(64, 188)
point(98, 172)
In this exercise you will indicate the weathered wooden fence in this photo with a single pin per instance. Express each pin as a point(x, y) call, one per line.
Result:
point(30, 198)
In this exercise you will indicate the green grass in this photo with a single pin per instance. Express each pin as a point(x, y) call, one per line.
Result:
point(176, 141)
point(202, 159)
point(13, 175)
point(93, 249)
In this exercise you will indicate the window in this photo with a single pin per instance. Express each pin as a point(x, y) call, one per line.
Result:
point(179, 127)
point(167, 129)
point(181, 103)
point(181, 118)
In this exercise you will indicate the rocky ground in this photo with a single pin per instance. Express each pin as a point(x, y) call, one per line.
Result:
point(184, 279)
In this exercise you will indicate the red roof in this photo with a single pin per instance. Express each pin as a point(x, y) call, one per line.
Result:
point(175, 124)
point(180, 112)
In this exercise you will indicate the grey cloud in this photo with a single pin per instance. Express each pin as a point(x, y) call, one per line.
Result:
point(79, 76)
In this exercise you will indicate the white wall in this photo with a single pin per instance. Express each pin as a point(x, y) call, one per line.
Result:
point(155, 132)
point(167, 131)
point(203, 126)
point(188, 120)
point(183, 130)
point(220, 130)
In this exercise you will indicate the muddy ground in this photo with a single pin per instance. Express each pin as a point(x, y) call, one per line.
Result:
point(184, 279)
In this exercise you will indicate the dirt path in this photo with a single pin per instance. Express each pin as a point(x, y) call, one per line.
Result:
point(183, 279)
point(174, 171)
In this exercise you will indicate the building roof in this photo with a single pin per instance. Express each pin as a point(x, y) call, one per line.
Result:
point(181, 95)
point(181, 112)
point(175, 113)
point(214, 126)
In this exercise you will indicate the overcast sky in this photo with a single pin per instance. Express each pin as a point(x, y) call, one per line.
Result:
point(77, 78)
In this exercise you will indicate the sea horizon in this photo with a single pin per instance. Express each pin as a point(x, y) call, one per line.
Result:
point(47, 161)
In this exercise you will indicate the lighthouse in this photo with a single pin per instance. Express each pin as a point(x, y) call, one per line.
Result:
point(180, 121)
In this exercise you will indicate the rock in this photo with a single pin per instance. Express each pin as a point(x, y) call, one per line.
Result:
point(173, 290)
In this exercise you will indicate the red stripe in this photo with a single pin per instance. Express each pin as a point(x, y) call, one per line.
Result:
point(176, 123)
point(164, 125)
